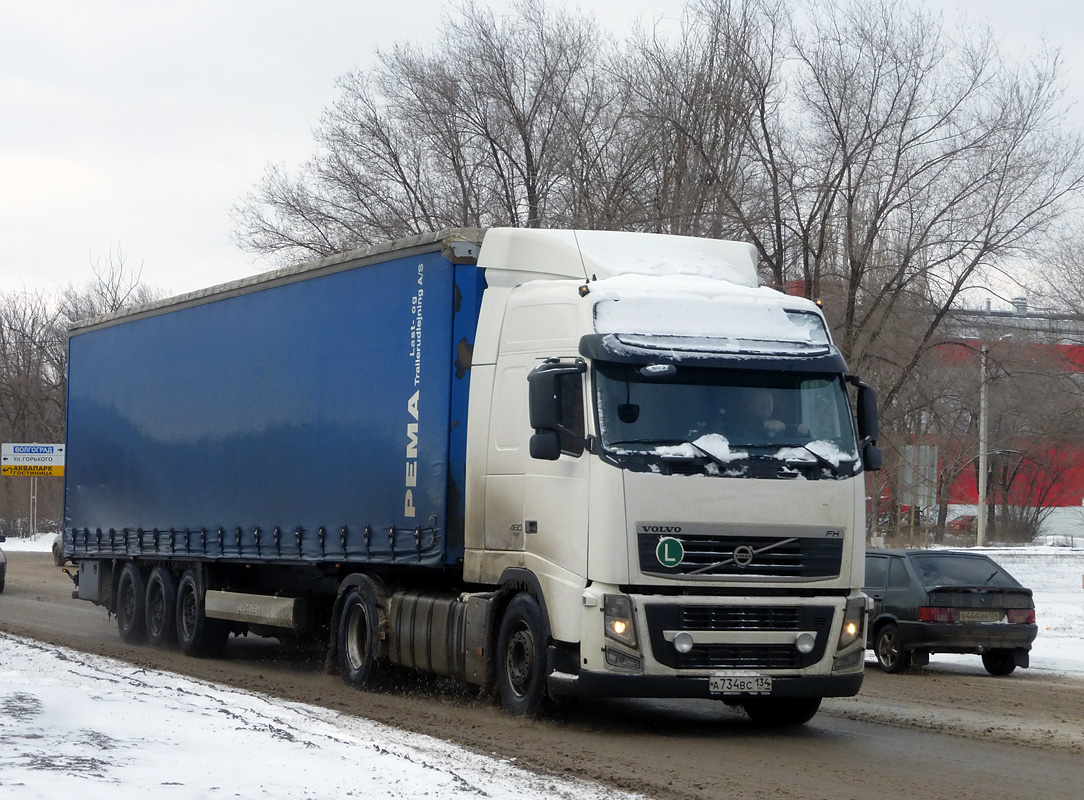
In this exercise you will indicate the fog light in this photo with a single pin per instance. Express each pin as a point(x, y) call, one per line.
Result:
point(683, 642)
point(615, 658)
point(805, 642)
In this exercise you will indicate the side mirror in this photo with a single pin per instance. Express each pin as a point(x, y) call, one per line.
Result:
point(871, 458)
point(546, 445)
point(544, 406)
point(868, 419)
point(542, 399)
point(866, 407)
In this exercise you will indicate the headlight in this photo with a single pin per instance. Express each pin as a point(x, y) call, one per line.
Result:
point(617, 617)
point(854, 622)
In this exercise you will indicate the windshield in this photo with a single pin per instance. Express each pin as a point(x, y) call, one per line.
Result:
point(653, 407)
point(949, 569)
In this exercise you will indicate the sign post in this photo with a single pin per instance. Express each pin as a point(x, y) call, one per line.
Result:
point(34, 461)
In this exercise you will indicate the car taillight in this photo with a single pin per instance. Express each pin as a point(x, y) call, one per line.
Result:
point(1022, 616)
point(934, 614)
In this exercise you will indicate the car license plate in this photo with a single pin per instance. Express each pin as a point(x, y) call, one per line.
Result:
point(740, 684)
point(979, 615)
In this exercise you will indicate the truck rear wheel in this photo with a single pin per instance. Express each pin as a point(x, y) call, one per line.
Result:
point(161, 607)
point(522, 653)
point(132, 604)
point(359, 639)
point(196, 634)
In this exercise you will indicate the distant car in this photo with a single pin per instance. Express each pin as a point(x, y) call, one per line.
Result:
point(943, 601)
point(58, 550)
point(3, 565)
point(966, 524)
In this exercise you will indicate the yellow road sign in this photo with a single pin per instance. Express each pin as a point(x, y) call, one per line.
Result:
point(30, 470)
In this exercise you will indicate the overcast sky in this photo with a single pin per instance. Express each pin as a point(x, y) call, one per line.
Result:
point(137, 126)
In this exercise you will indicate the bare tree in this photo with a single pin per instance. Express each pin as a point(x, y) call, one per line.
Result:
point(487, 129)
point(33, 362)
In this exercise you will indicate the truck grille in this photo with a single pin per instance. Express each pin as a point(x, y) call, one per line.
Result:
point(760, 556)
point(738, 619)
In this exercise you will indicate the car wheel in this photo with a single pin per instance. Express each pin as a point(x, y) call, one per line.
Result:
point(522, 653)
point(889, 650)
point(777, 712)
point(999, 662)
point(131, 604)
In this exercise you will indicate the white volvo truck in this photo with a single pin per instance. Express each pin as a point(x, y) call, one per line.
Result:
point(551, 463)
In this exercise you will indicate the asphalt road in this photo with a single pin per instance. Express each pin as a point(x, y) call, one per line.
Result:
point(930, 734)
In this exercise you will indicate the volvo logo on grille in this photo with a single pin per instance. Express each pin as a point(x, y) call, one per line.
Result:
point(743, 555)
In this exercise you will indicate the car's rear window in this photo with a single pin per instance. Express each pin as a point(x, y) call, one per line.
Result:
point(946, 569)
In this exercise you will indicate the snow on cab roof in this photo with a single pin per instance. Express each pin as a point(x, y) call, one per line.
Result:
point(587, 255)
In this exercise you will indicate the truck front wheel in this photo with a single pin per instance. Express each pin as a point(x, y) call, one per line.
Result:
point(359, 639)
point(522, 653)
point(131, 604)
point(196, 634)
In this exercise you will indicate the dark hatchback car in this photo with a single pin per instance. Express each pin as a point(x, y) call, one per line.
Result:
point(941, 601)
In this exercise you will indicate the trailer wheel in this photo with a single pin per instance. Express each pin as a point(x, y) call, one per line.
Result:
point(522, 652)
point(196, 634)
point(161, 607)
point(131, 604)
point(359, 639)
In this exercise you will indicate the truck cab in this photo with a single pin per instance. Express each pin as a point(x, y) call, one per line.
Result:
point(665, 459)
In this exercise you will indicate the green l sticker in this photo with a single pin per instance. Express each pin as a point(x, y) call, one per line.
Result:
point(669, 551)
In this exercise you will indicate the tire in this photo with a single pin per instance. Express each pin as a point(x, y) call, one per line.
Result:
point(358, 638)
point(161, 605)
point(197, 635)
point(778, 712)
point(999, 662)
point(131, 604)
point(891, 656)
point(58, 554)
point(522, 658)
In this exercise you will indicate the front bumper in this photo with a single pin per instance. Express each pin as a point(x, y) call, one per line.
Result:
point(599, 684)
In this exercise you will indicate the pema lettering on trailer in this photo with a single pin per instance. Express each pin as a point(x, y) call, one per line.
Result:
point(411, 456)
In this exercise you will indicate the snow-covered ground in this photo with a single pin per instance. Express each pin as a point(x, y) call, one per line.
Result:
point(78, 725)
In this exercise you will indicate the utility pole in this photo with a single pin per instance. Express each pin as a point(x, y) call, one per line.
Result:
point(984, 413)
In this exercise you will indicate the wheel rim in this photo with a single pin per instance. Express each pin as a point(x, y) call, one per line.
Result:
point(188, 613)
point(519, 661)
point(156, 610)
point(127, 603)
point(889, 650)
point(355, 637)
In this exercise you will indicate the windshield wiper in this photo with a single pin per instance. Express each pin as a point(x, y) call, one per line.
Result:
point(653, 442)
point(824, 462)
